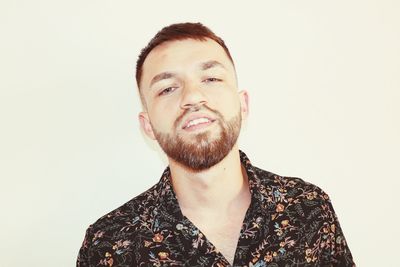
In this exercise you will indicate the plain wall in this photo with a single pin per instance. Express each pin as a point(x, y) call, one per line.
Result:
point(324, 86)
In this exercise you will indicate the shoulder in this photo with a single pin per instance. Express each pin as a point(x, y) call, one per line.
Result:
point(127, 214)
point(284, 183)
point(293, 196)
point(302, 212)
point(125, 218)
point(110, 239)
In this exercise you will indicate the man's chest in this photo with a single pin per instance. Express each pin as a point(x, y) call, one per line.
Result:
point(184, 244)
point(221, 232)
point(224, 237)
point(165, 241)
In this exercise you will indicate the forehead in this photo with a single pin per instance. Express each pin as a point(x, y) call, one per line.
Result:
point(182, 55)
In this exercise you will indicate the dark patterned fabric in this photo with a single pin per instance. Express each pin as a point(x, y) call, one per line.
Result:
point(289, 223)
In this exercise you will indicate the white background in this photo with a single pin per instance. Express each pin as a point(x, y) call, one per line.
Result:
point(324, 85)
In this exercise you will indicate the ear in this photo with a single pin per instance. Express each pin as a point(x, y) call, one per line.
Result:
point(145, 125)
point(244, 103)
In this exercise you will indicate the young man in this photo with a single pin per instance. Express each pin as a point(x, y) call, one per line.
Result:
point(211, 207)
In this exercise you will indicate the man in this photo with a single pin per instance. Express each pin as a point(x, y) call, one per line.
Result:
point(211, 207)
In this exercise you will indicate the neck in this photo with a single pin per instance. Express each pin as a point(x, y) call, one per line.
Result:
point(221, 188)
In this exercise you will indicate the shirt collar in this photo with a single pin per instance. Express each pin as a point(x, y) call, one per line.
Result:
point(168, 202)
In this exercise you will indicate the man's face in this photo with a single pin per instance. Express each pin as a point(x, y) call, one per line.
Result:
point(192, 105)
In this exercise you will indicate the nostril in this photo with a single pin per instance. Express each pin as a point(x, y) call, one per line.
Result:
point(195, 106)
point(191, 107)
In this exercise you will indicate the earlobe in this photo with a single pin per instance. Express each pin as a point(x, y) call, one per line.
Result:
point(244, 103)
point(145, 125)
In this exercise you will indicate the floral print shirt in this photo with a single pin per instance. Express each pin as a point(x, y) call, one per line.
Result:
point(289, 223)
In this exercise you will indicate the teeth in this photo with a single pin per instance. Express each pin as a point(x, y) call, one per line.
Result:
point(197, 121)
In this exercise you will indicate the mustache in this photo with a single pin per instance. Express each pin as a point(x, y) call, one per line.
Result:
point(196, 108)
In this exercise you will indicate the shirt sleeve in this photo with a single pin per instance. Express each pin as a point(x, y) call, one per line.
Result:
point(330, 237)
point(83, 255)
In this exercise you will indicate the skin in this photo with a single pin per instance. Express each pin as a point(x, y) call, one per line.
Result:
point(219, 194)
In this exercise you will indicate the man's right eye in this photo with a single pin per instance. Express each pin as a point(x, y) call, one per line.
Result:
point(167, 91)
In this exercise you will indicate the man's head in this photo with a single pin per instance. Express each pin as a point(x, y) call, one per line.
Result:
point(187, 82)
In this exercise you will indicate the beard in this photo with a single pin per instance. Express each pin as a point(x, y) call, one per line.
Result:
point(201, 153)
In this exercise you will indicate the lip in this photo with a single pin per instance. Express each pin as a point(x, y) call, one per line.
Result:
point(197, 116)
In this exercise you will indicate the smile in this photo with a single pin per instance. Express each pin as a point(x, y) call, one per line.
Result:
point(197, 123)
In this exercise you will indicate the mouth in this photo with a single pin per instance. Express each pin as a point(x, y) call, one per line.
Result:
point(197, 122)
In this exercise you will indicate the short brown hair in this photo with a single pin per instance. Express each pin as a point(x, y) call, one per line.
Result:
point(175, 32)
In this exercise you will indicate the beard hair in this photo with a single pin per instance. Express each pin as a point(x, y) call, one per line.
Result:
point(201, 153)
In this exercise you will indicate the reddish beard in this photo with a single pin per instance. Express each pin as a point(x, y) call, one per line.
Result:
point(201, 153)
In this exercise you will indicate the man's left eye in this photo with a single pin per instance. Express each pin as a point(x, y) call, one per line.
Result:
point(212, 79)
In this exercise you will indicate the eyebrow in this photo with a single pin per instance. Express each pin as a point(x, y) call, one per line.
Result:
point(162, 76)
point(211, 64)
point(203, 66)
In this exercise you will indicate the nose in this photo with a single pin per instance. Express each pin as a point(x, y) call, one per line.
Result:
point(192, 96)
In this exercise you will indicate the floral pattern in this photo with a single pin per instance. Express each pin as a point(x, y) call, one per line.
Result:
point(290, 222)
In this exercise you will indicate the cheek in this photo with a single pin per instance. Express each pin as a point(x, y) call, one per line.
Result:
point(227, 103)
point(162, 119)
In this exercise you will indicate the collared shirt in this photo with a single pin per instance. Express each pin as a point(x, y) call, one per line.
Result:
point(289, 222)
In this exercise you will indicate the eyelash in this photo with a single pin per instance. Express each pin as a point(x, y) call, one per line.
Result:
point(167, 90)
point(212, 79)
point(172, 88)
